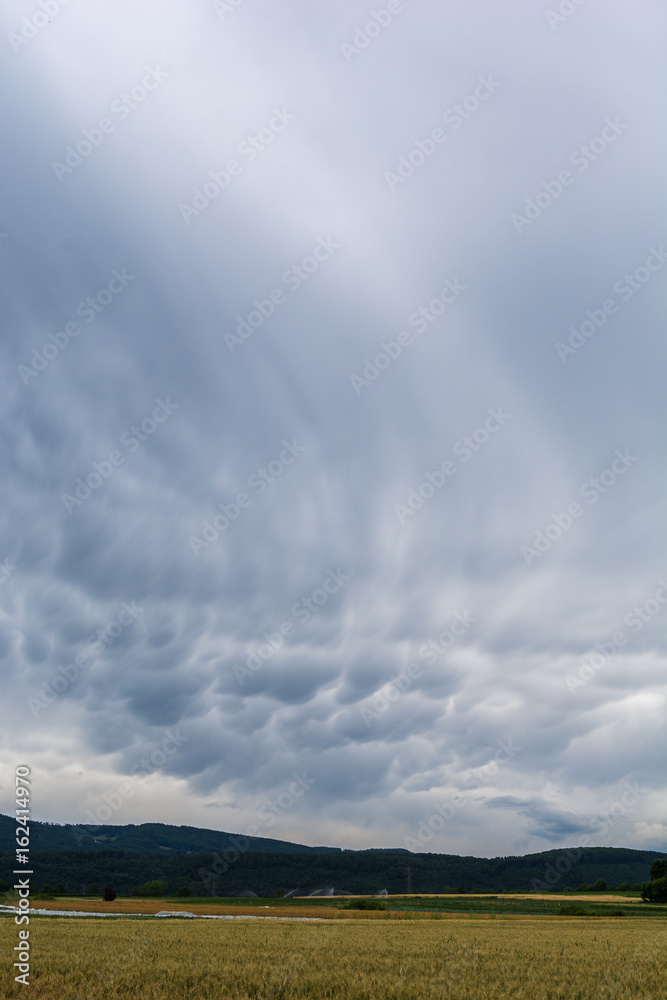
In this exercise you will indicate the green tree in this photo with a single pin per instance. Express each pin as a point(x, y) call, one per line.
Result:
point(655, 891)
point(184, 890)
point(156, 888)
point(109, 894)
point(600, 886)
point(658, 869)
point(94, 890)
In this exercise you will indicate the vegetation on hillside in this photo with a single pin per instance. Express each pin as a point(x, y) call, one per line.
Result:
point(153, 838)
point(362, 872)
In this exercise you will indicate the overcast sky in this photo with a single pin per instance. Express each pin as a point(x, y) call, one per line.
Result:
point(349, 463)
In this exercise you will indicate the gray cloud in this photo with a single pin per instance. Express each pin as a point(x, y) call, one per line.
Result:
point(277, 528)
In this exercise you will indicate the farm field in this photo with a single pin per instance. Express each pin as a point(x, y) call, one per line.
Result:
point(460, 958)
point(198, 907)
point(603, 904)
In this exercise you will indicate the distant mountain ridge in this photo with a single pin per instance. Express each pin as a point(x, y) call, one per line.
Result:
point(146, 838)
point(212, 862)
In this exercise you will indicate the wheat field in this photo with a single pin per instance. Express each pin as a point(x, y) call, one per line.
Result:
point(550, 958)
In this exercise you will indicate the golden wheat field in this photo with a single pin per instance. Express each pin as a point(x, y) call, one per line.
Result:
point(525, 959)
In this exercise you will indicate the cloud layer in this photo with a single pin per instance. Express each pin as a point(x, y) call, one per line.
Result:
point(333, 418)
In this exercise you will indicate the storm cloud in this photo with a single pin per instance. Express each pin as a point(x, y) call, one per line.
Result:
point(333, 417)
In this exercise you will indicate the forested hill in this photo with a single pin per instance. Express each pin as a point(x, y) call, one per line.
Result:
point(147, 838)
point(233, 872)
point(128, 856)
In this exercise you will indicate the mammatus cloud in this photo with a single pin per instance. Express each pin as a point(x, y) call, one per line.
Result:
point(331, 435)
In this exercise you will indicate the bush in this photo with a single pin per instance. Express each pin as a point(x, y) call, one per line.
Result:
point(572, 910)
point(363, 904)
point(155, 889)
point(655, 891)
point(184, 890)
point(109, 894)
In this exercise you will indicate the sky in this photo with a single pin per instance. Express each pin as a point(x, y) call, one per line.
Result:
point(333, 442)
